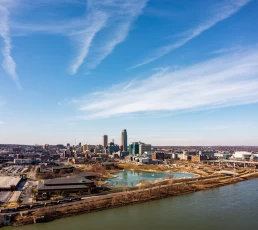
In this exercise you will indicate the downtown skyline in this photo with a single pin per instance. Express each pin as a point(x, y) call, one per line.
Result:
point(171, 73)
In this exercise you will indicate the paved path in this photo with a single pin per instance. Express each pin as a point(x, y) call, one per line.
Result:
point(15, 197)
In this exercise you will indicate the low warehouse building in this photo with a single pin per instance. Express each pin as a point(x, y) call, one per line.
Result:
point(65, 184)
point(9, 183)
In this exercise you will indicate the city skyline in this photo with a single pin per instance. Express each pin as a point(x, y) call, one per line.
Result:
point(171, 72)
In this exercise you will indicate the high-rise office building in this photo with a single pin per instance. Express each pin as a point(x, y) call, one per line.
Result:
point(124, 140)
point(105, 141)
point(144, 148)
point(134, 148)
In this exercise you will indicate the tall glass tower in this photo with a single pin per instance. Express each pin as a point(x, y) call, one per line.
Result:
point(124, 140)
point(105, 141)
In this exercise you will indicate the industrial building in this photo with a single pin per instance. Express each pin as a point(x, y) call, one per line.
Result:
point(9, 183)
point(22, 161)
point(241, 155)
point(65, 184)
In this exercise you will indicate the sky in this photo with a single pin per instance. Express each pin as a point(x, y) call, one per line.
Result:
point(170, 72)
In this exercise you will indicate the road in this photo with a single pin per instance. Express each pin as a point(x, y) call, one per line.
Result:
point(26, 195)
point(32, 173)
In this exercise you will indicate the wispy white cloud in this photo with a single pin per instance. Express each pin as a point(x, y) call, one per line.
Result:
point(117, 16)
point(95, 22)
point(63, 27)
point(113, 18)
point(107, 47)
point(224, 11)
point(8, 63)
point(2, 123)
point(224, 81)
point(226, 50)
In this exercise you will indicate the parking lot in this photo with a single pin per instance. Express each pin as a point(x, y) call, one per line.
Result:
point(13, 170)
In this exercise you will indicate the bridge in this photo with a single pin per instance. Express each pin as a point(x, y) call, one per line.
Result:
point(234, 163)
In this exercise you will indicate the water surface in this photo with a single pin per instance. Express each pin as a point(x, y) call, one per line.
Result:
point(132, 178)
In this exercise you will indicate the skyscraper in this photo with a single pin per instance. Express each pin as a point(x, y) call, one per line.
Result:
point(124, 140)
point(105, 141)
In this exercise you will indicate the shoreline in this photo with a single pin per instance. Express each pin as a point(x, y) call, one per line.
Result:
point(159, 190)
point(156, 171)
point(162, 169)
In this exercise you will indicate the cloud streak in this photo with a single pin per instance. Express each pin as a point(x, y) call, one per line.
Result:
point(8, 63)
point(111, 18)
point(117, 16)
point(65, 27)
point(94, 23)
point(224, 11)
point(2, 123)
point(226, 50)
point(225, 81)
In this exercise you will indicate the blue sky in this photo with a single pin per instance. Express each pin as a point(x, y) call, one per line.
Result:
point(170, 72)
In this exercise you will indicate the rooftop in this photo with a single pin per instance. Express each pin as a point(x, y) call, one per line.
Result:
point(7, 181)
point(75, 180)
point(41, 186)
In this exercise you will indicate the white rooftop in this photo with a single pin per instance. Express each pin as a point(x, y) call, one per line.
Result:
point(239, 154)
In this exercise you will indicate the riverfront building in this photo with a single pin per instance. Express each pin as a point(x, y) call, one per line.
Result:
point(66, 184)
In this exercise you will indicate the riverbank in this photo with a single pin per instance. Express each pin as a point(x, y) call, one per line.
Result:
point(150, 191)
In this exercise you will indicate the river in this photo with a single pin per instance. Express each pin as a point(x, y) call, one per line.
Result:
point(230, 207)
